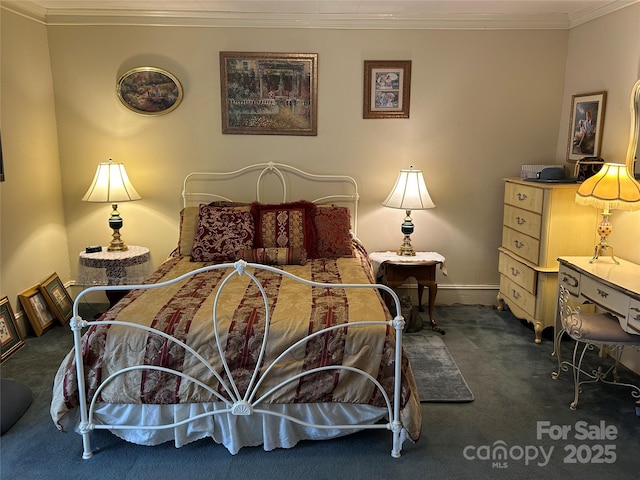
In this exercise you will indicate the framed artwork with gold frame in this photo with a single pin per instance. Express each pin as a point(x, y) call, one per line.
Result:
point(10, 337)
point(38, 312)
point(387, 88)
point(585, 125)
point(269, 93)
point(149, 91)
point(57, 298)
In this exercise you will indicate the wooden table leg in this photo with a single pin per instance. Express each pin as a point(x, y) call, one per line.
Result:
point(433, 291)
point(114, 296)
point(396, 275)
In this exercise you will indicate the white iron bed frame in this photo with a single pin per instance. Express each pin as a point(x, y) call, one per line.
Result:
point(348, 194)
point(235, 403)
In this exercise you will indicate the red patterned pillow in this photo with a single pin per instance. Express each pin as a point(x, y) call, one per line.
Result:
point(333, 232)
point(221, 232)
point(274, 256)
point(189, 223)
point(285, 225)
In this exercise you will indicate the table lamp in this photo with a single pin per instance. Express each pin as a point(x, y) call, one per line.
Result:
point(409, 193)
point(111, 185)
point(612, 188)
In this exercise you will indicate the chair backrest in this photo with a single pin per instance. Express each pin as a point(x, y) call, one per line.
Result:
point(570, 317)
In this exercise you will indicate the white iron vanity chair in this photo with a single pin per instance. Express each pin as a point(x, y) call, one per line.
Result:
point(589, 330)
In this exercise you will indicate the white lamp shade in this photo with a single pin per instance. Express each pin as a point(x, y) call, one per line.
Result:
point(410, 192)
point(111, 184)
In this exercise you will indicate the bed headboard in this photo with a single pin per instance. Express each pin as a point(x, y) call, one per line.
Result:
point(272, 182)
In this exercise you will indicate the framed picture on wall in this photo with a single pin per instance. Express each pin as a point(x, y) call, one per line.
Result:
point(10, 337)
point(585, 125)
point(269, 93)
point(149, 91)
point(38, 312)
point(57, 298)
point(387, 89)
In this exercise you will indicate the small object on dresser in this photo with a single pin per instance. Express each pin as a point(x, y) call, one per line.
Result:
point(554, 174)
point(93, 249)
point(587, 167)
point(532, 171)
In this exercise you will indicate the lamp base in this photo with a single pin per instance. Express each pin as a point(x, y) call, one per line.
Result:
point(117, 245)
point(406, 250)
point(604, 229)
point(407, 229)
point(115, 223)
point(600, 249)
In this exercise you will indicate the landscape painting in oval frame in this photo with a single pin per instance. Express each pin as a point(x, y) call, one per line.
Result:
point(149, 91)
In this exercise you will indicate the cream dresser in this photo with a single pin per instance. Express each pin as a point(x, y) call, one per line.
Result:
point(541, 222)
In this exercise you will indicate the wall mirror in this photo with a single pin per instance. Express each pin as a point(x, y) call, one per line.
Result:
point(633, 153)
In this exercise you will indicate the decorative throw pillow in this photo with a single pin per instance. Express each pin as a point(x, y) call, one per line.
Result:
point(189, 223)
point(333, 232)
point(188, 228)
point(285, 225)
point(221, 233)
point(273, 256)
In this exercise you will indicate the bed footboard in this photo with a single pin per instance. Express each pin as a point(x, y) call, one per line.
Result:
point(251, 395)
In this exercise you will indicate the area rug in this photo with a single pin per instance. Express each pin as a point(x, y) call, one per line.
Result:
point(438, 377)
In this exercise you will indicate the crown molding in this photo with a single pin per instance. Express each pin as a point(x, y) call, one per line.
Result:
point(253, 20)
point(585, 15)
point(162, 18)
point(25, 9)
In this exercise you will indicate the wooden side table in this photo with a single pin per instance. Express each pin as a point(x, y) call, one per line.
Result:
point(130, 267)
point(394, 270)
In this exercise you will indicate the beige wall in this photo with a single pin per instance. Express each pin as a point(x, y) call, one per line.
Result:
point(33, 231)
point(605, 55)
point(483, 103)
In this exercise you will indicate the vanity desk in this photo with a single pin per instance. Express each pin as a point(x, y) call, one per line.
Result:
point(614, 288)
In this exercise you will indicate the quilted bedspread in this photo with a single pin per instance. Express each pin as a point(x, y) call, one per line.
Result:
point(185, 311)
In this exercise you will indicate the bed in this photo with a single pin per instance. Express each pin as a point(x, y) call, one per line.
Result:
point(264, 327)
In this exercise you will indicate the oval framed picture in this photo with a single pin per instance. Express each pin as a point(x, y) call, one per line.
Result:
point(149, 91)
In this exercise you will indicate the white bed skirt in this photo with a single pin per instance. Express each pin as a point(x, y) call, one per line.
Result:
point(232, 431)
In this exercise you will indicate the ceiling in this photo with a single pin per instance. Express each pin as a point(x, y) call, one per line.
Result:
point(362, 13)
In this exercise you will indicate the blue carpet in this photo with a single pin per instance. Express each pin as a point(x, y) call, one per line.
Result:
point(509, 374)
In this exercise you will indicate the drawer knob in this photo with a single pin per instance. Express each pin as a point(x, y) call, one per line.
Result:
point(602, 293)
point(520, 221)
point(635, 308)
point(515, 272)
point(518, 244)
point(521, 196)
point(515, 294)
point(570, 280)
point(636, 318)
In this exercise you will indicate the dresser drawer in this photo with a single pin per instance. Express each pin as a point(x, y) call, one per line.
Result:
point(604, 296)
point(569, 279)
point(523, 221)
point(520, 244)
point(633, 319)
point(517, 272)
point(524, 196)
point(518, 295)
